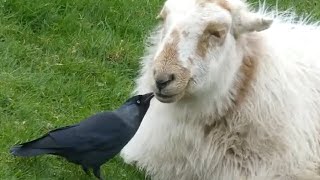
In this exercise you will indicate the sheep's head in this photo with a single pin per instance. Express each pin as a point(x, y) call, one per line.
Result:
point(197, 37)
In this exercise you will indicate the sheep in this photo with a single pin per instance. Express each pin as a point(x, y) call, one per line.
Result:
point(237, 94)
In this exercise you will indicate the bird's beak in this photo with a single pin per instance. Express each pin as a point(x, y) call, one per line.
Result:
point(148, 97)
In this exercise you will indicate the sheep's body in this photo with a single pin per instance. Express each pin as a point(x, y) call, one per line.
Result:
point(273, 133)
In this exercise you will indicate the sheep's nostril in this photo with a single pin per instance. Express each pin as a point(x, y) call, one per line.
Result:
point(162, 84)
point(171, 77)
point(164, 80)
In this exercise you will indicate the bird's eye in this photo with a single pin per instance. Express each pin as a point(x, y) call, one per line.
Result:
point(138, 102)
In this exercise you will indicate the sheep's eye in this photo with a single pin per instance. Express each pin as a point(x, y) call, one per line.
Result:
point(138, 102)
point(217, 34)
point(216, 30)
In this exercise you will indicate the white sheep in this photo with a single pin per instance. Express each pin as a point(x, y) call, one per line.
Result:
point(237, 95)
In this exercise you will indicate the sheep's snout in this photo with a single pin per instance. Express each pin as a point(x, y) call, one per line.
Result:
point(163, 80)
point(170, 83)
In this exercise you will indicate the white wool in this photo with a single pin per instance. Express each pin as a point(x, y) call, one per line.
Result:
point(280, 117)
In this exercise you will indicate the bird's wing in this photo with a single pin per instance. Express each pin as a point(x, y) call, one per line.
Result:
point(46, 141)
point(101, 131)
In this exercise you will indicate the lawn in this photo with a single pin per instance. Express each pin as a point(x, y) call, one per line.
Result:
point(61, 61)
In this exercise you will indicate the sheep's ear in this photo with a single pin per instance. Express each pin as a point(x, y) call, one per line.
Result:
point(249, 22)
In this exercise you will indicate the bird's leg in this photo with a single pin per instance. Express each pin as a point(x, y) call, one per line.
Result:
point(96, 172)
point(86, 170)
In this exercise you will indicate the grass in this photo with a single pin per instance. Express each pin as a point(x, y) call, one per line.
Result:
point(61, 61)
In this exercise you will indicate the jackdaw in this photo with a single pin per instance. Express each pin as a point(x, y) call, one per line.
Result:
point(93, 141)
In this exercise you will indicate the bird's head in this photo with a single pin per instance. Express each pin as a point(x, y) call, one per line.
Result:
point(142, 101)
point(136, 107)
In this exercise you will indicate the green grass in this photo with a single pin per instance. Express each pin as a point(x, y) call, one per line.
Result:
point(61, 61)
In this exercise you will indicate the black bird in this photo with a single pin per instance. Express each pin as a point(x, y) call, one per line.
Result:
point(93, 141)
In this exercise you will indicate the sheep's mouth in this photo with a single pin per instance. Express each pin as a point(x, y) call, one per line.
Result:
point(166, 98)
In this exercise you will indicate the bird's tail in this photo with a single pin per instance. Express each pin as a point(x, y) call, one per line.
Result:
point(19, 150)
point(33, 148)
